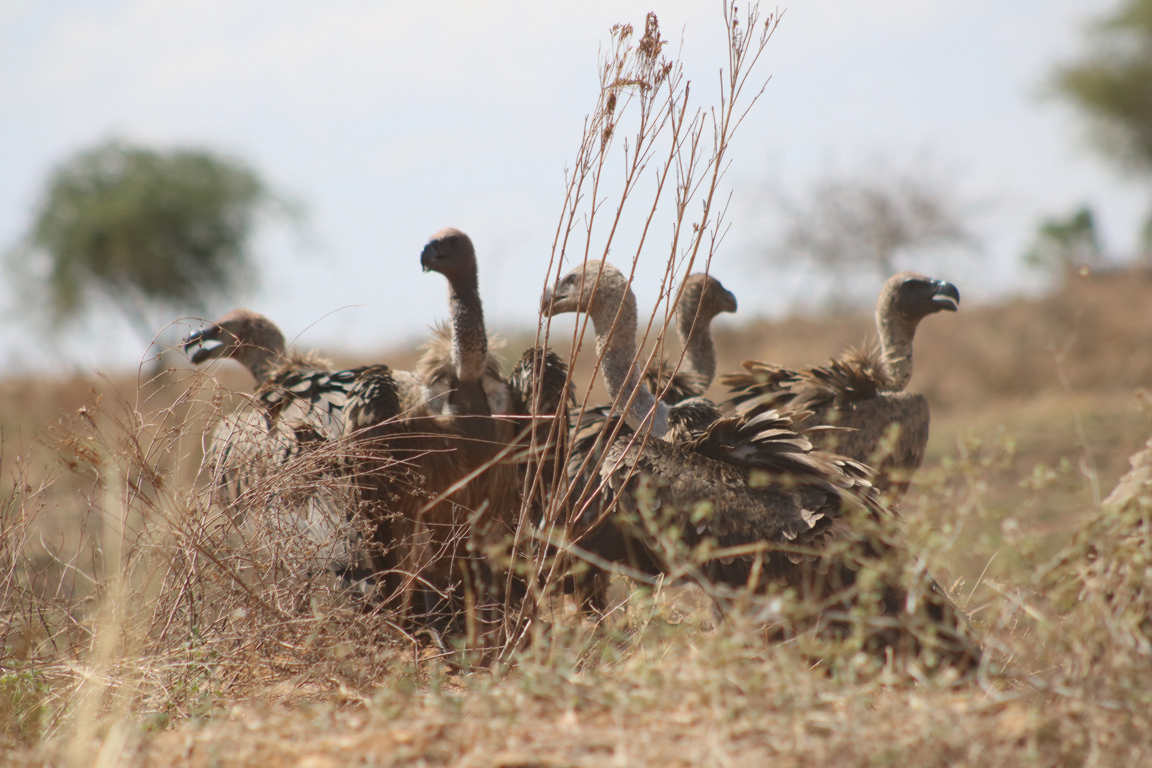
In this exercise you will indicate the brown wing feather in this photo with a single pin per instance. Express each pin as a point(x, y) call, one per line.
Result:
point(542, 395)
point(671, 386)
point(888, 430)
point(278, 464)
point(439, 494)
point(443, 500)
point(811, 519)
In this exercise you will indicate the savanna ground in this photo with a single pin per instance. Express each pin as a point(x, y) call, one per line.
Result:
point(126, 641)
point(140, 626)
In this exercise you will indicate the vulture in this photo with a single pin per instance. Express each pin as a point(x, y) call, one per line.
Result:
point(862, 392)
point(1104, 568)
point(444, 525)
point(702, 297)
point(744, 503)
point(1135, 487)
point(436, 373)
point(276, 455)
point(542, 396)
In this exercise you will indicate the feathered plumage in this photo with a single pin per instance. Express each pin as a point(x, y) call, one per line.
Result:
point(272, 461)
point(437, 373)
point(746, 497)
point(444, 523)
point(862, 391)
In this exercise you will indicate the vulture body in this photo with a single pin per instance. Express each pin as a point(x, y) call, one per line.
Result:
point(445, 523)
point(702, 298)
point(542, 396)
point(436, 376)
point(274, 461)
point(1103, 571)
point(745, 502)
point(862, 392)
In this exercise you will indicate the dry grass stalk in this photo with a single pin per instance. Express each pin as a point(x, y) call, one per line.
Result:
point(644, 113)
point(163, 608)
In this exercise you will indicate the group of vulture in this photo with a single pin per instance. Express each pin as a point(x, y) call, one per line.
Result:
point(450, 492)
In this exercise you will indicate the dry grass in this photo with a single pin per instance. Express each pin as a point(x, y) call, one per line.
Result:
point(140, 626)
point(288, 680)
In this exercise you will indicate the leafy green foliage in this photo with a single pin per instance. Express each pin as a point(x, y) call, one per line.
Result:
point(144, 228)
point(1112, 85)
point(1069, 244)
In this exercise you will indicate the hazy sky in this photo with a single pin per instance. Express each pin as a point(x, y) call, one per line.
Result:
point(391, 120)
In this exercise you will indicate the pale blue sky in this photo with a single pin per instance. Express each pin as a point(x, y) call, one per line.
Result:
point(391, 120)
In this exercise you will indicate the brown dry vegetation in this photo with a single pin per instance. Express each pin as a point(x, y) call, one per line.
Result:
point(139, 627)
point(1034, 417)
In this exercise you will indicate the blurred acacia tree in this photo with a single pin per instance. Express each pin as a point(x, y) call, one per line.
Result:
point(867, 219)
point(144, 230)
point(1070, 245)
point(1111, 84)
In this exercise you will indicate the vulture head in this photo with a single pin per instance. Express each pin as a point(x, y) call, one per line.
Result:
point(602, 292)
point(241, 335)
point(591, 286)
point(916, 296)
point(703, 298)
point(450, 253)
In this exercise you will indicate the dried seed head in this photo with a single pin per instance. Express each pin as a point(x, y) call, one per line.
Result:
point(651, 44)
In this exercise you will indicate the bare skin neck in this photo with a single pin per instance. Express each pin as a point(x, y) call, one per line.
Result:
point(616, 347)
point(258, 359)
point(469, 339)
point(469, 356)
point(896, 333)
point(699, 352)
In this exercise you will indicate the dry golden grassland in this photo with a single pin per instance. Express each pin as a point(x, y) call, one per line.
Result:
point(135, 630)
point(141, 625)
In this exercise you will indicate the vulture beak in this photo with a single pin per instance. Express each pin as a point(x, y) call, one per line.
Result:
point(557, 301)
point(197, 339)
point(729, 302)
point(429, 256)
point(546, 302)
point(946, 296)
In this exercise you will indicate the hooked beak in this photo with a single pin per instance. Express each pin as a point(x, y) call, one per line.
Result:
point(729, 304)
point(197, 339)
point(429, 256)
point(946, 297)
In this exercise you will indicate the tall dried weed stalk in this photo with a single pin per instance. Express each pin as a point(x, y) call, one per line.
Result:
point(162, 604)
point(646, 185)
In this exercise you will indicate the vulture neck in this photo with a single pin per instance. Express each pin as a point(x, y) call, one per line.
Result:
point(469, 339)
point(896, 332)
point(699, 353)
point(259, 359)
point(616, 348)
point(469, 354)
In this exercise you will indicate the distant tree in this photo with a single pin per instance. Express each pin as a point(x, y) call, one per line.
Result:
point(1111, 84)
point(866, 220)
point(143, 229)
point(1070, 245)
